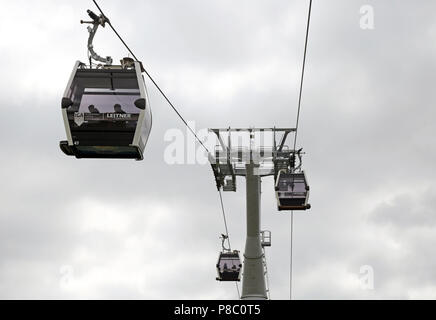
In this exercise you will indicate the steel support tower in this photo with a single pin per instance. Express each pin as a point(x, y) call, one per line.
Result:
point(252, 162)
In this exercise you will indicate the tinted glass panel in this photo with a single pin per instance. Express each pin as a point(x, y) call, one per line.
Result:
point(293, 183)
point(229, 265)
point(106, 100)
point(299, 187)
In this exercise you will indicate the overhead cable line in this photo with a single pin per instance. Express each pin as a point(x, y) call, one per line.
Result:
point(295, 141)
point(302, 73)
point(227, 231)
point(225, 220)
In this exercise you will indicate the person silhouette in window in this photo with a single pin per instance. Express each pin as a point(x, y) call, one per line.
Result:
point(118, 109)
point(93, 109)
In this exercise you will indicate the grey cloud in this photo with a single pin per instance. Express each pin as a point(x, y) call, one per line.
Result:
point(407, 212)
point(366, 125)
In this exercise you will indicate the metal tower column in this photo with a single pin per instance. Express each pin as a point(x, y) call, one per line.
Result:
point(253, 282)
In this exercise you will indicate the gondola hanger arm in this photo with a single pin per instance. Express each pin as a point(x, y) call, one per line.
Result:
point(96, 22)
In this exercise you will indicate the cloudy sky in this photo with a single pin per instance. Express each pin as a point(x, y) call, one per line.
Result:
point(149, 230)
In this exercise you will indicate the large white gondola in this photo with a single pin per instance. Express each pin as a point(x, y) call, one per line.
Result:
point(106, 112)
point(105, 108)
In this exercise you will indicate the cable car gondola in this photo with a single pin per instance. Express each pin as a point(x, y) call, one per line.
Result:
point(292, 191)
point(105, 109)
point(229, 264)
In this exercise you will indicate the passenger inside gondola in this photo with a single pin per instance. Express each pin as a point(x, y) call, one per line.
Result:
point(93, 109)
point(225, 267)
point(117, 109)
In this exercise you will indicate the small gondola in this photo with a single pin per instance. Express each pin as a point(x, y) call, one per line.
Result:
point(292, 191)
point(229, 266)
